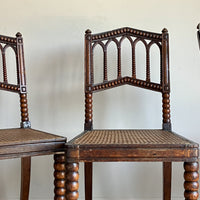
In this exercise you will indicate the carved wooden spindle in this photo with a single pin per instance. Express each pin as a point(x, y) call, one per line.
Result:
point(165, 61)
point(133, 62)
point(191, 177)
point(20, 60)
point(119, 62)
point(59, 177)
point(105, 78)
point(166, 111)
point(88, 111)
point(24, 110)
point(5, 77)
point(147, 65)
point(88, 58)
point(72, 184)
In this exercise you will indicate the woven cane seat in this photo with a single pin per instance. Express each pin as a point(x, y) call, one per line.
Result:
point(133, 137)
point(26, 136)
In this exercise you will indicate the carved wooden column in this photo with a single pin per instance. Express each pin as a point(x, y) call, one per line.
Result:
point(59, 177)
point(25, 123)
point(72, 184)
point(165, 80)
point(166, 111)
point(191, 177)
point(88, 111)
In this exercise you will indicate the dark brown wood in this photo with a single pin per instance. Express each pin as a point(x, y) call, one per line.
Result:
point(25, 177)
point(88, 180)
point(191, 177)
point(121, 154)
point(129, 145)
point(72, 184)
point(198, 34)
point(166, 111)
point(88, 111)
point(23, 142)
point(59, 177)
point(167, 174)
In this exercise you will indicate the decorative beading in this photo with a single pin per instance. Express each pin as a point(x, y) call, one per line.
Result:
point(7, 39)
point(125, 30)
point(166, 108)
point(127, 80)
point(59, 177)
point(72, 184)
point(191, 177)
point(9, 87)
point(24, 107)
point(88, 111)
point(133, 41)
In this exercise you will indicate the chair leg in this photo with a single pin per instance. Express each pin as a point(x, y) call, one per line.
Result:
point(25, 177)
point(59, 177)
point(72, 184)
point(88, 181)
point(191, 177)
point(167, 175)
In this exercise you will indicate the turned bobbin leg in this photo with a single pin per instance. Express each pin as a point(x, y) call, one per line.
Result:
point(72, 177)
point(166, 112)
point(191, 177)
point(59, 177)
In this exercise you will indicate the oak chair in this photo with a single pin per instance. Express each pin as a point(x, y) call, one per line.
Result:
point(153, 145)
point(198, 34)
point(25, 142)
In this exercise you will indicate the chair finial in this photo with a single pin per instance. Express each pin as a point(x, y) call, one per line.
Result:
point(198, 26)
point(164, 30)
point(88, 31)
point(18, 34)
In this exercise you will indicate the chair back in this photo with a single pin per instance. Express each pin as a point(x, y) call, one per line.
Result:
point(16, 44)
point(134, 36)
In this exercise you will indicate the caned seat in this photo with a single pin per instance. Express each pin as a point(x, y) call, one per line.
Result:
point(18, 142)
point(134, 138)
point(25, 142)
point(149, 145)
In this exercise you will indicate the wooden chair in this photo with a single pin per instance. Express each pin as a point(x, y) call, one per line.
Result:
point(25, 142)
point(153, 145)
point(198, 34)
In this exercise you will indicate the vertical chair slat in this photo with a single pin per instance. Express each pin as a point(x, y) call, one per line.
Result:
point(147, 65)
point(5, 77)
point(105, 77)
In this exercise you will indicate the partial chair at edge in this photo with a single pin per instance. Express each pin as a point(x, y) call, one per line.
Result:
point(149, 145)
point(25, 142)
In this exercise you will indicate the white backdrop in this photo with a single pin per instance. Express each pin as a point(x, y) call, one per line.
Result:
point(53, 35)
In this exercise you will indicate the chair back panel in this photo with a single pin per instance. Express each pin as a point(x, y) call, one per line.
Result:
point(133, 36)
point(117, 36)
point(16, 44)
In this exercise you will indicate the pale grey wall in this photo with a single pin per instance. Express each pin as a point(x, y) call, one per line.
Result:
point(53, 34)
